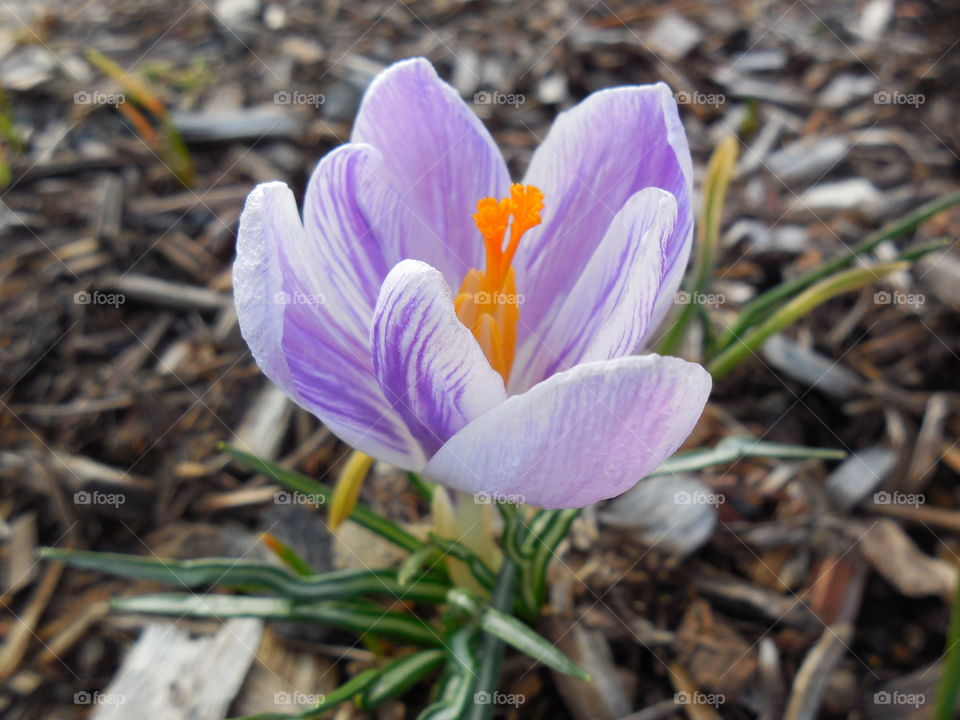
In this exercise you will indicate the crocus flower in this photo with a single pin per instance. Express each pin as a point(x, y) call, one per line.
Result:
point(522, 383)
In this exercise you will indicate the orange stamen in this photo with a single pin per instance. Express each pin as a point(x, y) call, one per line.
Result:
point(488, 302)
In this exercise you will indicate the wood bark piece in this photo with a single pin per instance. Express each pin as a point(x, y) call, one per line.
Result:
point(170, 675)
point(900, 562)
point(164, 292)
point(717, 657)
point(18, 639)
point(604, 697)
point(811, 680)
point(930, 439)
point(697, 704)
point(265, 423)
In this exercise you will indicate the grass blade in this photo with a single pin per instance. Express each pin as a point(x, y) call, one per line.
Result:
point(228, 572)
point(415, 562)
point(491, 651)
point(795, 309)
point(360, 619)
point(535, 580)
point(732, 449)
point(286, 554)
point(457, 685)
point(398, 676)
point(478, 568)
point(720, 169)
point(298, 482)
point(520, 636)
point(330, 700)
point(755, 310)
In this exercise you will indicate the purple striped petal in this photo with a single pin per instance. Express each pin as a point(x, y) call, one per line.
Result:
point(429, 364)
point(439, 157)
point(300, 344)
point(595, 157)
point(608, 311)
point(581, 436)
point(347, 254)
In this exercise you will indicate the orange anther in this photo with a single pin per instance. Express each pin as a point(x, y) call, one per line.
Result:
point(488, 302)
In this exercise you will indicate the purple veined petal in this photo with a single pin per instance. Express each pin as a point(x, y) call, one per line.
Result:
point(608, 311)
point(581, 436)
point(596, 156)
point(439, 157)
point(298, 342)
point(345, 254)
point(430, 367)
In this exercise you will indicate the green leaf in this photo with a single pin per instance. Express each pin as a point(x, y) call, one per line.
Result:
point(756, 309)
point(915, 252)
point(330, 700)
point(733, 448)
point(518, 635)
point(228, 572)
point(424, 488)
point(537, 528)
point(286, 554)
point(483, 574)
point(176, 155)
point(297, 482)
point(795, 309)
point(464, 601)
point(491, 652)
point(457, 684)
point(358, 618)
point(535, 574)
point(399, 675)
point(720, 169)
point(415, 562)
point(513, 529)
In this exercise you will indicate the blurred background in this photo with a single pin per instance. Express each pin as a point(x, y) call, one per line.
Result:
point(130, 134)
